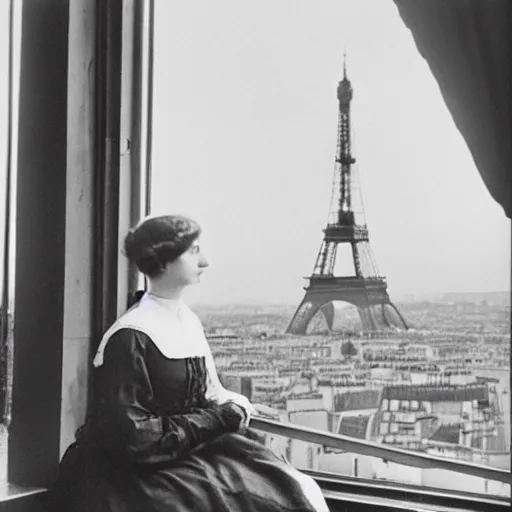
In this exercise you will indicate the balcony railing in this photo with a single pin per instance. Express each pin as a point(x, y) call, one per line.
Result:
point(371, 449)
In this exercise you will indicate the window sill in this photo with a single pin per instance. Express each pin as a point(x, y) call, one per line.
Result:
point(11, 492)
point(341, 491)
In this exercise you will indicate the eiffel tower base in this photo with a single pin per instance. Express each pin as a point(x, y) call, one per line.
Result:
point(369, 296)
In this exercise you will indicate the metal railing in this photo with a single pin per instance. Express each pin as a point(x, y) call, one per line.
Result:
point(362, 447)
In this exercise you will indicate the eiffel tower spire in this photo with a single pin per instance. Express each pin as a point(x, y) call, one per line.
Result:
point(365, 289)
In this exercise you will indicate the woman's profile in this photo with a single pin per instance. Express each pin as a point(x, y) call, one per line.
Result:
point(164, 434)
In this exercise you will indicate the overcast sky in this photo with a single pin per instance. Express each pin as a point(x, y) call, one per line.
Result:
point(245, 120)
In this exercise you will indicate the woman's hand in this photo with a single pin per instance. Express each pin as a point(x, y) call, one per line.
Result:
point(234, 416)
point(242, 401)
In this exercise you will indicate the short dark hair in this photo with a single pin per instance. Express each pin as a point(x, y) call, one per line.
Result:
point(157, 241)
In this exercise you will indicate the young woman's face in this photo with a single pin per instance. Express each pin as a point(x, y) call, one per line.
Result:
point(187, 269)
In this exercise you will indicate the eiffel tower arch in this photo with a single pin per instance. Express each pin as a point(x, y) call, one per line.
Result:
point(365, 288)
point(373, 306)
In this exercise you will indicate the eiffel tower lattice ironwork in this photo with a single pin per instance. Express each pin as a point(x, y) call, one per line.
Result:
point(365, 290)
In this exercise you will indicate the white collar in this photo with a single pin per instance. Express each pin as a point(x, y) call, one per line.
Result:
point(171, 325)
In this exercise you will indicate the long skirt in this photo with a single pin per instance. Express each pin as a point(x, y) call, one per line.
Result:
point(231, 474)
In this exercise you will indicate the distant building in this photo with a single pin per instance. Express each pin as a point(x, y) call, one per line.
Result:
point(242, 385)
point(451, 420)
point(305, 402)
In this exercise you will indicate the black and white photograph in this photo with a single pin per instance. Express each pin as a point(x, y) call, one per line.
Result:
point(256, 256)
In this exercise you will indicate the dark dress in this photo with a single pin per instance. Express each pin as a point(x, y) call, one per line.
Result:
point(155, 444)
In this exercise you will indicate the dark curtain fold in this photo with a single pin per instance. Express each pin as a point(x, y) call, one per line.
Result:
point(106, 176)
point(468, 46)
point(106, 226)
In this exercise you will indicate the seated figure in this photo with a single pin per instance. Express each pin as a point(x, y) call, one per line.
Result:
point(165, 435)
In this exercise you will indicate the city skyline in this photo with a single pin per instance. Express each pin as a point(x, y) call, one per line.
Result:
point(244, 137)
point(442, 392)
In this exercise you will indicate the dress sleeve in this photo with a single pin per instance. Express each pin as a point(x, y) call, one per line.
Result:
point(129, 427)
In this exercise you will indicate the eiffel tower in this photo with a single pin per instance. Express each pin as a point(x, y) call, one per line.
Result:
point(365, 290)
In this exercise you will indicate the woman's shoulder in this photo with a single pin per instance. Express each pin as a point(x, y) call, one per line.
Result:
point(129, 343)
point(176, 334)
point(139, 321)
point(128, 339)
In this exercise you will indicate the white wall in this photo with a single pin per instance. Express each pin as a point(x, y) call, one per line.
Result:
point(79, 187)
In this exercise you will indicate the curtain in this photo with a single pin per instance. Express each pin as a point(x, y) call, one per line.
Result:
point(467, 45)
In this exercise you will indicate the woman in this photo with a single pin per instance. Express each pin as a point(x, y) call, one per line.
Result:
point(165, 435)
